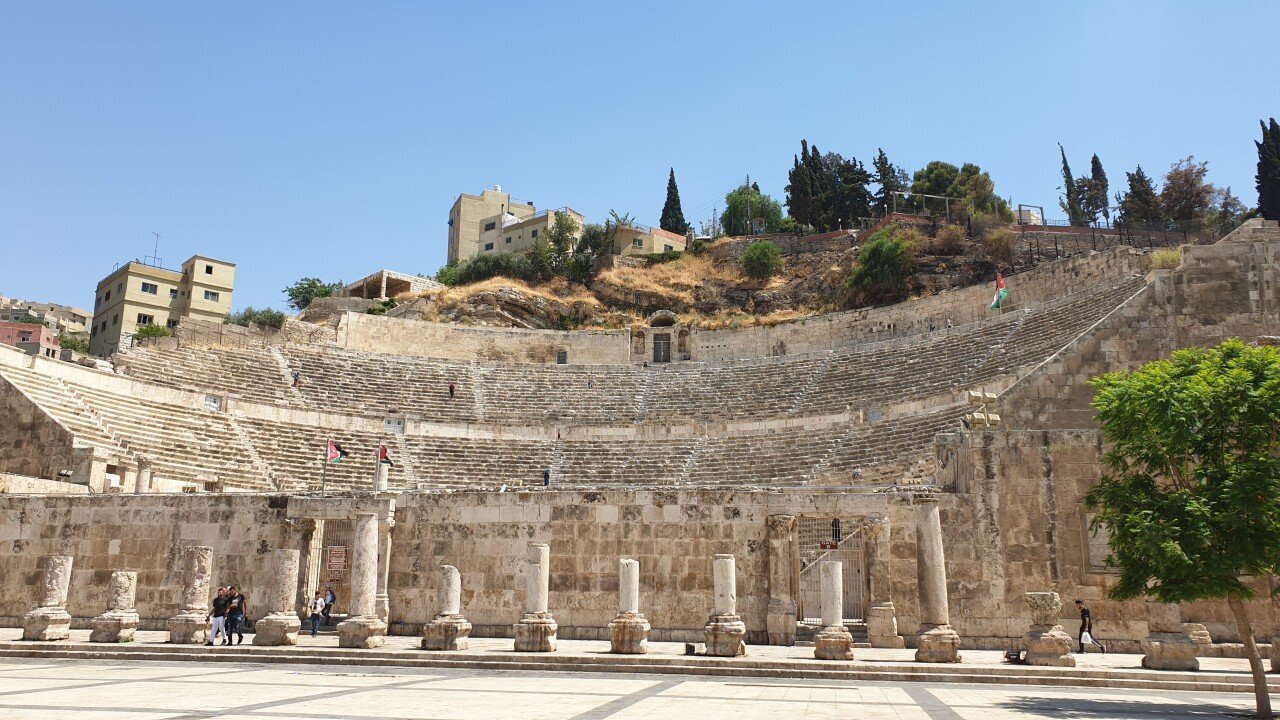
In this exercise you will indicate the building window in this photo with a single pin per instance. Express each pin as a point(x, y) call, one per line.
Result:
point(488, 246)
point(150, 288)
point(508, 239)
point(208, 269)
point(115, 319)
point(534, 235)
point(119, 287)
point(637, 243)
point(393, 426)
point(108, 295)
point(171, 324)
point(211, 296)
point(144, 319)
point(172, 293)
point(490, 226)
point(667, 248)
point(562, 357)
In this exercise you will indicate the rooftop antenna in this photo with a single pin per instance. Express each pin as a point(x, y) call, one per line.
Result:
point(152, 259)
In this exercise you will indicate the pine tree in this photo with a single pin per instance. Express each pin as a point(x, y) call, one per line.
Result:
point(672, 216)
point(1268, 176)
point(1100, 187)
point(1071, 203)
point(890, 178)
point(799, 190)
point(1141, 204)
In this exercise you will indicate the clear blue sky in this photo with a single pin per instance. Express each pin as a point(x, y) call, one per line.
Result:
point(330, 139)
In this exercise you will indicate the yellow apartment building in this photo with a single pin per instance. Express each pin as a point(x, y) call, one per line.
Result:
point(472, 215)
point(137, 294)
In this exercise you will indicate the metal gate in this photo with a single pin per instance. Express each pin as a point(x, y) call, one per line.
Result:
point(335, 562)
point(662, 347)
point(830, 538)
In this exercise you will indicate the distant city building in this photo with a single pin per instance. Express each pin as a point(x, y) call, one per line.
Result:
point(137, 294)
point(387, 284)
point(62, 318)
point(492, 222)
point(31, 338)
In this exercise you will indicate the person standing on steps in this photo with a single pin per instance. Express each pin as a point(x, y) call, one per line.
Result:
point(452, 389)
point(1086, 628)
point(297, 378)
point(318, 606)
point(218, 617)
point(330, 599)
point(236, 609)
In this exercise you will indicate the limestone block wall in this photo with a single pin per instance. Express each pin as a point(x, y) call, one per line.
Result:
point(31, 442)
point(25, 484)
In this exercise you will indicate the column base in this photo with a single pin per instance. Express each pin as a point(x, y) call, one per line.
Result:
point(724, 635)
point(1048, 645)
point(938, 644)
point(382, 607)
point(629, 634)
point(1198, 632)
point(536, 632)
point(278, 628)
point(446, 632)
point(189, 627)
point(362, 632)
point(46, 623)
point(780, 622)
point(114, 626)
point(882, 627)
point(833, 642)
point(1169, 651)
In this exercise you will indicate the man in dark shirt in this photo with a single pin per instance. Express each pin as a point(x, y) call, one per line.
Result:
point(236, 609)
point(218, 615)
point(330, 599)
point(1086, 626)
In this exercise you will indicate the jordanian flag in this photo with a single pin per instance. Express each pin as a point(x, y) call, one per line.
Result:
point(383, 457)
point(336, 453)
point(1001, 293)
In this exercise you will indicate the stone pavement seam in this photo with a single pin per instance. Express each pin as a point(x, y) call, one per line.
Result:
point(615, 706)
point(930, 704)
point(252, 707)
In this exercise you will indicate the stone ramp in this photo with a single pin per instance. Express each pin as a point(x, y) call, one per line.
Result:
point(873, 665)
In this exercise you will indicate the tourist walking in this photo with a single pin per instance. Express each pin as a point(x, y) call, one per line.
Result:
point(318, 606)
point(451, 390)
point(1086, 628)
point(218, 616)
point(330, 599)
point(236, 609)
point(297, 378)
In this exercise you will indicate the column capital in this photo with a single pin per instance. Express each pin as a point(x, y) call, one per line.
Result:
point(781, 523)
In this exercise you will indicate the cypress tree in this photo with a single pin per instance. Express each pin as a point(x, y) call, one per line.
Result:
point(799, 189)
point(1071, 203)
point(890, 178)
point(1141, 204)
point(1100, 187)
point(672, 216)
point(1268, 177)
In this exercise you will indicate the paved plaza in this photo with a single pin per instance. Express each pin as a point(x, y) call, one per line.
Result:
point(92, 690)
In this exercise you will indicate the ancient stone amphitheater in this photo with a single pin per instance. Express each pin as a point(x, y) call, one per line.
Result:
point(782, 445)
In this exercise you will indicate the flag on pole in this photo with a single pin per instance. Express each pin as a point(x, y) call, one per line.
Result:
point(336, 453)
point(1001, 293)
point(383, 457)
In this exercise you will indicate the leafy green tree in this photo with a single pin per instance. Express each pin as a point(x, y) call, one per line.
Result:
point(672, 216)
point(1226, 213)
point(1192, 494)
point(1186, 197)
point(734, 219)
point(266, 317)
point(827, 192)
point(1140, 205)
point(890, 178)
point(301, 293)
point(67, 341)
point(1268, 177)
point(151, 331)
point(1070, 204)
point(762, 260)
point(936, 178)
point(969, 183)
point(799, 188)
point(30, 320)
point(884, 263)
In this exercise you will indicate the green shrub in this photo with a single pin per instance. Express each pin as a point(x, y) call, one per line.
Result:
point(885, 262)
point(1001, 247)
point(382, 307)
point(73, 342)
point(662, 257)
point(483, 267)
point(762, 259)
point(266, 317)
point(151, 331)
point(949, 241)
point(1166, 259)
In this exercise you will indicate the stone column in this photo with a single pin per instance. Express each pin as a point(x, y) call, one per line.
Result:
point(724, 630)
point(780, 620)
point(281, 625)
point(1046, 642)
point(882, 617)
point(449, 630)
point(50, 619)
point(363, 628)
point(833, 641)
point(191, 625)
point(937, 642)
point(629, 630)
point(1167, 646)
point(380, 477)
point(143, 484)
point(128, 478)
point(313, 535)
point(536, 630)
point(120, 622)
point(383, 600)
